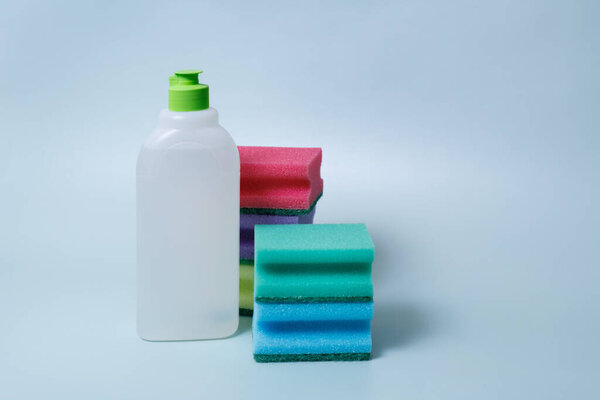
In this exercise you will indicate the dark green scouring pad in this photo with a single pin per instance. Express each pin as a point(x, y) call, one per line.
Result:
point(315, 299)
point(245, 312)
point(312, 357)
point(280, 211)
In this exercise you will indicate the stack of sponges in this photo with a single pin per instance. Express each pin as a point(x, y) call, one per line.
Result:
point(278, 185)
point(313, 293)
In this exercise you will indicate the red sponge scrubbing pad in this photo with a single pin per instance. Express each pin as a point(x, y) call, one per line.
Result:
point(284, 178)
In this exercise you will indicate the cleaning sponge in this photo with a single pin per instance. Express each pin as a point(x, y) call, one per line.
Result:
point(314, 312)
point(279, 185)
point(248, 221)
point(246, 288)
point(311, 340)
point(313, 263)
point(313, 292)
point(279, 180)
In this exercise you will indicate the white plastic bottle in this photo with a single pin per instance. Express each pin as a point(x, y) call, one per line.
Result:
point(188, 182)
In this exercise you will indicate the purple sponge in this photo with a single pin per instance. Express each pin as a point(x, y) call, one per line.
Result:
point(247, 222)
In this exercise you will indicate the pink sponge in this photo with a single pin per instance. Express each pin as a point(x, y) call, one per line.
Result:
point(287, 178)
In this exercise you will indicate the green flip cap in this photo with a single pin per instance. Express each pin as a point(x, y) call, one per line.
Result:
point(185, 93)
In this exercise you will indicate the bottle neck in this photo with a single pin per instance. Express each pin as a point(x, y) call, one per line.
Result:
point(187, 119)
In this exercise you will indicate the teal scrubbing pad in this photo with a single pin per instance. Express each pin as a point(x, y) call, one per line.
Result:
point(313, 263)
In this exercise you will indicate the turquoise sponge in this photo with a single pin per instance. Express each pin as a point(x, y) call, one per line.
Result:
point(318, 243)
point(269, 312)
point(313, 263)
point(313, 293)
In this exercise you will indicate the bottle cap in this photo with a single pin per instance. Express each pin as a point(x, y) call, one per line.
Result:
point(185, 93)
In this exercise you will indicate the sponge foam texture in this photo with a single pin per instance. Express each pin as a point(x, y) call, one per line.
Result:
point(248, 221)
point(304, 262)
point(313, 293)
point(265, 312)
point(279, 177)
point(311, 337)
point(246, 288)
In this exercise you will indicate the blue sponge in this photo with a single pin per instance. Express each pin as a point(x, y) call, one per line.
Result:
point(311, 340)
point(279, 312)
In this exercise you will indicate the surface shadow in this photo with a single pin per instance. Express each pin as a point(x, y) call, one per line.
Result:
point(387, 252)
point(245, 325)
point(398, 325)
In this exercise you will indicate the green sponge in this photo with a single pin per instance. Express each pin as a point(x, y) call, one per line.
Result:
point(313, 263)
point(246, 288)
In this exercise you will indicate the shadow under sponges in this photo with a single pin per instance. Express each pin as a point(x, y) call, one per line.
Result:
point(398, 325)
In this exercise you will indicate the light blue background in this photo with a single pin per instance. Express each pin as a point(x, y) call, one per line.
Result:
point(464, 133)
